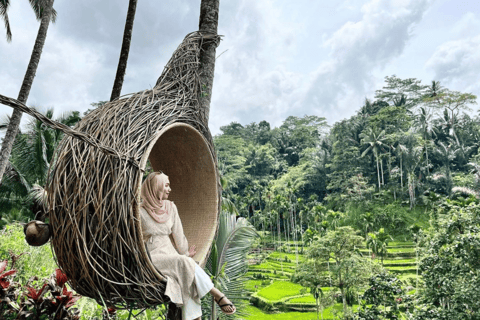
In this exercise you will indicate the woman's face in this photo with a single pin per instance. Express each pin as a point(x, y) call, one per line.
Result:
point(166, 190)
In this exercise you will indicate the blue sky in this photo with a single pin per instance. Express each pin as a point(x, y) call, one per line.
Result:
point(280, 58)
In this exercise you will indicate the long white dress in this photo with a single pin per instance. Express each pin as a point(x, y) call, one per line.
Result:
point(186, 281)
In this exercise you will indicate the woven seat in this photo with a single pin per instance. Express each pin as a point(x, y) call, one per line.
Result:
point(93, 197)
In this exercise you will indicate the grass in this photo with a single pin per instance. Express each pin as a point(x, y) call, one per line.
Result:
point(279, 290)
point(402, 268)
point(281, 255)
point(254, 313)
point(401, 243)
point(399, 261)
point(308, 299)
point(401, 249)
point(250, 284)
point(38, 261)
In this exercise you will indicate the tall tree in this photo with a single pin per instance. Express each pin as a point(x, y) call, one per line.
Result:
point(4, 4)
point(408, 92)
point(44, 11)
point(127, 38)
point(209, 24)
point(349, 269)
point(376, 144)
point(453, 102)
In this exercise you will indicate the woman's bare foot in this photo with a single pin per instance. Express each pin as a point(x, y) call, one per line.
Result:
point(223, 302)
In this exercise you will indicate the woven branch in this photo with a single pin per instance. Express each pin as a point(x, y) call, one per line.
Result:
point(93, 195)
point(14, 103)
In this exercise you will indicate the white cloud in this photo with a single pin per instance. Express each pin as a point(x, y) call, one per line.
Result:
point(456, 63)
point(252, 81)
point(359, 48)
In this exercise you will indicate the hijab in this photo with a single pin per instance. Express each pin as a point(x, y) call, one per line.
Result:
point(153, 189)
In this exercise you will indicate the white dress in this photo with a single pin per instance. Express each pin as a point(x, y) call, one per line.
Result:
point(186, 281)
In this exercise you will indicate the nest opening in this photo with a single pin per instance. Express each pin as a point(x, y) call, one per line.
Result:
point(182, 153)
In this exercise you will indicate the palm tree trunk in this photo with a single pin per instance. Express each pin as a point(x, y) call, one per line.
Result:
point(208, 23)
point(378, 175)
point(426, 153)
point(401, 172)
point(127, 38)
point(381, 166)
point(14, 123)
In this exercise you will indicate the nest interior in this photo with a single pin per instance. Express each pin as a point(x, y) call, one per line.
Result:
point(93, 191)
point(182, 153)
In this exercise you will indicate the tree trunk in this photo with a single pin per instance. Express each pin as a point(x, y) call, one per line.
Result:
point(122, 63)
point(401, 173)
point(14, 123)
point(378, 175)
point(208, 23)
point(426, 153)
point(381, 166)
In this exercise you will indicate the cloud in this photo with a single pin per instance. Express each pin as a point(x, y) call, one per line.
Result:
point(457, 62)
point(252, 79)
point(359, 48)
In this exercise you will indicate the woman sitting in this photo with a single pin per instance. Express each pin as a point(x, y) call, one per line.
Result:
point(161, 224)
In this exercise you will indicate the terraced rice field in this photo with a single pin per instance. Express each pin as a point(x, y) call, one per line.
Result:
point(276, 297)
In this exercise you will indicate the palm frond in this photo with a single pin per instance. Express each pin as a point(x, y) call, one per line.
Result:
point(4, 4)
point(38, 7)
point(236, 247)
point(38, 194)
point(4, 121)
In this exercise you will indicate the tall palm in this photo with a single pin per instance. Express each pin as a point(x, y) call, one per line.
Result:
point(372, 243)
point(227, 262)
point(447, 154)
point(424, 122)
point(401, 150)
point(208, 23)
point(383, 239)
point(376, 142)
point(127, 38)
point(32, 154)
point(4, 4)
point(45, 13)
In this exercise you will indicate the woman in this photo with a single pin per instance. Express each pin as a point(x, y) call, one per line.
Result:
point(186, 281)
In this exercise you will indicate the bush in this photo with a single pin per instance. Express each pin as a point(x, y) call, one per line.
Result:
point(36, 262)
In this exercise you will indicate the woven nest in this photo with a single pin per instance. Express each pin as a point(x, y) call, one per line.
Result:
point(94, 193)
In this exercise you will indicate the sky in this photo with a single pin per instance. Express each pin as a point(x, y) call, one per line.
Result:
point(277, 58)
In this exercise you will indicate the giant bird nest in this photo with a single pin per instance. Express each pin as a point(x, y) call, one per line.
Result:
point(94, 189)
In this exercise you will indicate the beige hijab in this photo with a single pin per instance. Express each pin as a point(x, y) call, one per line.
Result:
point(152, 193)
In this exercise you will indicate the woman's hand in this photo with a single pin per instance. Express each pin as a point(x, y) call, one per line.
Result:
point(192, 251)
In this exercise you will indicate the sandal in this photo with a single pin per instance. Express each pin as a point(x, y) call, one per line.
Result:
point(225, 305)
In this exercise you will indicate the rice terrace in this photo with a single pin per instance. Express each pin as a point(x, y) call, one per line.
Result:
point(240, 160)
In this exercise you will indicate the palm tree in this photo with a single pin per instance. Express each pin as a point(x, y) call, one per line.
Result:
point(227, 262)
point(122, 63)
point(208, 23)
point(368, 221)
point(372, 242)
point(32, 155)
point(376, 144)
point(383, 239)
point(401, 150)
point(423, 120)
point(45, 13)
point(447, 154)
point(4, 4)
